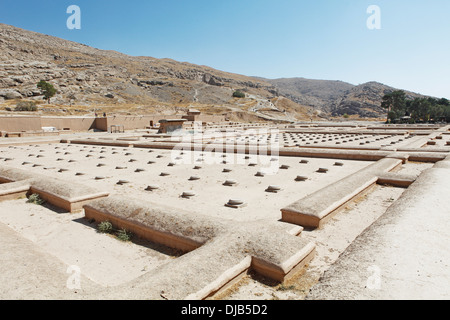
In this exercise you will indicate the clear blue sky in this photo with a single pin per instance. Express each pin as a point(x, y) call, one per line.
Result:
point(321, 39)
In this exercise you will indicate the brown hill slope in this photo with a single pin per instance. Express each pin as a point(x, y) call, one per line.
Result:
point(90, 77)
point(336, 98)
point(364, 100)
point(317, 93)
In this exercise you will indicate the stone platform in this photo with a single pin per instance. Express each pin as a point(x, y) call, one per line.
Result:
point(230, 204)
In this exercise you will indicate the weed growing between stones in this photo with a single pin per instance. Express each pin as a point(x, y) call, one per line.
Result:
point(124, 235)
point(36, 199)
point(107, 227)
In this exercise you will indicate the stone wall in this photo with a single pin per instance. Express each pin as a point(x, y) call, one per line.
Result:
point(20, 123)
point(69, 123)
point(130, 122)
point(36, 123)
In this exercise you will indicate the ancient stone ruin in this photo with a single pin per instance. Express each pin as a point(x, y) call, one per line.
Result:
point(225, 218)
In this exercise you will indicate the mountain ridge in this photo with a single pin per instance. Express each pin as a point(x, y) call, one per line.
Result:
point(86, 76)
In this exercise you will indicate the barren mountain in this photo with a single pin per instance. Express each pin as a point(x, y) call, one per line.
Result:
point(365, 100)
point(89, 79)
point(337, 98)
point(316, 93)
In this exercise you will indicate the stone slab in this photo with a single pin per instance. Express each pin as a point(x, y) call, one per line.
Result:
point(312, 210)
point(403, 255)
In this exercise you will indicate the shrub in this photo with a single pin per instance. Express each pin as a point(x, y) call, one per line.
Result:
point(36, 199)
point(105, 227)
point(26, 106)
point(238, 94)
point(124, 235)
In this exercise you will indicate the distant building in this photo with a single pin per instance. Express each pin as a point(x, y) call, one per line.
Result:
point(192, 115)
point(171, 125)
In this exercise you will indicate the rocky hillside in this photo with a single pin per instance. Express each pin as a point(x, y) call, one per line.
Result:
point(364, 100)
point(317, 93)
point(93, 79)
point(89, 79)
point(337, 98)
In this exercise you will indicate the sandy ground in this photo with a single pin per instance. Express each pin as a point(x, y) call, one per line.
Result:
point(105, 261)
point(69, 241)
point(43, 247)
point(109, 262)
point(86, 164)
point(335, 140)
point(404, 254)
point(331, 241)
point(73, 240)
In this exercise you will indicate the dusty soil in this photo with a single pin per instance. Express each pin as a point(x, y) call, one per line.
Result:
point(114, 164)
point(331, 241)
point(43, 245)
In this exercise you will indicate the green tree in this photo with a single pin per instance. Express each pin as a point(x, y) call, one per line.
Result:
point(447, 113)
point(444, 102)
point(395, 103)
point(436, 113)
point(421, 109)
point(47, 89)
point(429, 109)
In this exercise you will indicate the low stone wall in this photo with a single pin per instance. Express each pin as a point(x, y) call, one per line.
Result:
point(396, 180)
point(20, 123)
point(12, 124)
point(76, 124)
point(218, 251)
point(70, 197)
point(170, 227)
point(314, 210)
point(408, 244)
point(130, 122)
point(14, 190)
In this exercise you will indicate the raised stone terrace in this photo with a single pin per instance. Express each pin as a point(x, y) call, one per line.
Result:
point(219, 212)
